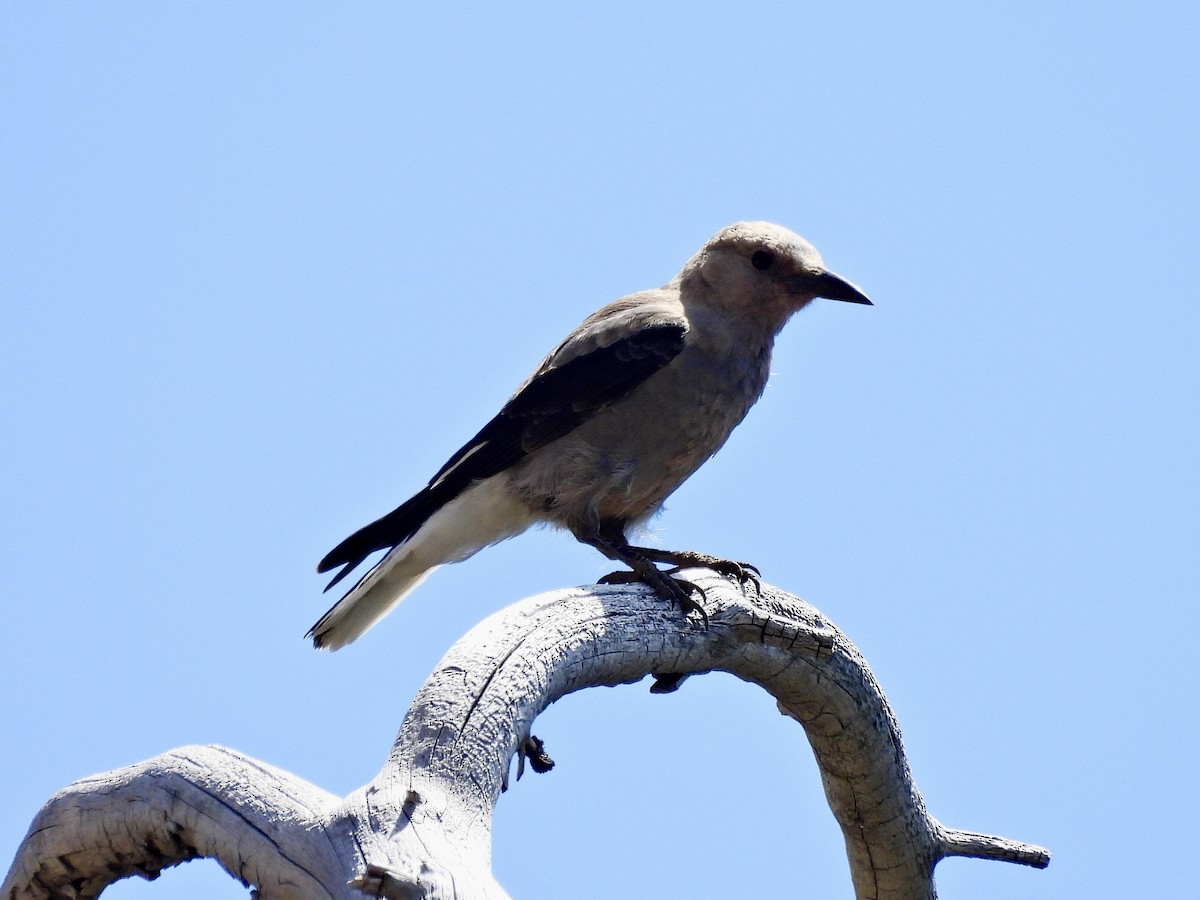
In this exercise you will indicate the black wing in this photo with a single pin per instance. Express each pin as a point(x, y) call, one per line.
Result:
point(553, 404)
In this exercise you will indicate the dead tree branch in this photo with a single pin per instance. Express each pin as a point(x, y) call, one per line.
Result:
point(422, 827)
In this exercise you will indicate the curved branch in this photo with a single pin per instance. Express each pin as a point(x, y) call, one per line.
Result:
point(190, 803)
point(489, 688)
point(422, 827)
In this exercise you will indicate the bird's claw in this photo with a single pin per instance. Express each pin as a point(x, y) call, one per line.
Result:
point(677, 591)
point(683, 596)
point(742, 572)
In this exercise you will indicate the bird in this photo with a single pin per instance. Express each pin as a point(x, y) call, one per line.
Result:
point(610, 423)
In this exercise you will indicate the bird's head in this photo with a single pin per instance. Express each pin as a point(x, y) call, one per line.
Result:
point(763, 271)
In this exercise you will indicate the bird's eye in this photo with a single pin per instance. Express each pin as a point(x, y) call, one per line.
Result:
point(762, 260)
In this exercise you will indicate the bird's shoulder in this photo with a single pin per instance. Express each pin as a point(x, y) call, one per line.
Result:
point(646, 314)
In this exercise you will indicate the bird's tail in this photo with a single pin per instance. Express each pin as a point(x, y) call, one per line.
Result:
point(483, 514)
point(389, 582)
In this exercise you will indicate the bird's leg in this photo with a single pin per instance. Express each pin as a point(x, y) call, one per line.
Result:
point(609, 539)
point(743, 572)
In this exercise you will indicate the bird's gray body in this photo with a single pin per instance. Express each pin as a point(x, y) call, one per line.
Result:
point(612, 421)
point(621, 463)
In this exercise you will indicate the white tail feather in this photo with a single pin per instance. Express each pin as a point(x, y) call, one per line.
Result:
point(481, 515)
point(392, 579)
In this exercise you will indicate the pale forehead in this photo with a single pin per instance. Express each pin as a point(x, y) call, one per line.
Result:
point(745, 236)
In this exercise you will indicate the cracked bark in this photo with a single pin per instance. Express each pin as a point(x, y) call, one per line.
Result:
point(422, 827)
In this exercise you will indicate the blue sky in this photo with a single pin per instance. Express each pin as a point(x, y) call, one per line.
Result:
point(264, 266)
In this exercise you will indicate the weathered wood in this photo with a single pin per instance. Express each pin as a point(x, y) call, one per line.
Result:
point(422, 827)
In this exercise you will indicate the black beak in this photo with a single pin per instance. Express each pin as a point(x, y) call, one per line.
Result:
point(832, 287)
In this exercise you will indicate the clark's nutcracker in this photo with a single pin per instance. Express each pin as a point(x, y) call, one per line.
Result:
point(611, 422)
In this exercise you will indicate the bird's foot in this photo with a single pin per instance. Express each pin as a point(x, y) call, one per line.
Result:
point(742, 572)
point(678, 591)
